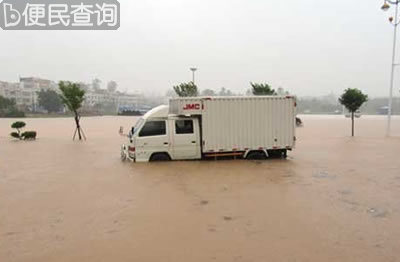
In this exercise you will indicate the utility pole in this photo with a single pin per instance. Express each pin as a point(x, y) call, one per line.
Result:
point(193, 69)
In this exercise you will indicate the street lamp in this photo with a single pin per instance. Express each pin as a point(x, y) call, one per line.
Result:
point(194, 69)
point(385, 6)
point(395, 23)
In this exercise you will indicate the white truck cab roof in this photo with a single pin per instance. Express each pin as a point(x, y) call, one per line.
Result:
point(157, 112)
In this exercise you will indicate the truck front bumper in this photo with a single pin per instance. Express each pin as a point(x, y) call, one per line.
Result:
point(126, 155)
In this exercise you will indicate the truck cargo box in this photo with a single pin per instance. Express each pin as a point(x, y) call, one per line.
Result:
point(241, 123)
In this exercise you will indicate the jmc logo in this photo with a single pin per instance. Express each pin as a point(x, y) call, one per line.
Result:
point(192, 107)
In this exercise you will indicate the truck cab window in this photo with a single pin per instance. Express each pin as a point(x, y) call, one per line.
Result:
point(153, 128)
point(184, 126)
point(138, 125)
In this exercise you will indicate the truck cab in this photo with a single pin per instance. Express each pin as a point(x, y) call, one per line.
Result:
point(161, 136)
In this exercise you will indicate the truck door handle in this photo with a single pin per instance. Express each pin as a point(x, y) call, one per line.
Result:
point(193, 142)
point(165, 143)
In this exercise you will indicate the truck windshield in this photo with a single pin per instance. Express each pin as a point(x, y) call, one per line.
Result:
point(138, 125)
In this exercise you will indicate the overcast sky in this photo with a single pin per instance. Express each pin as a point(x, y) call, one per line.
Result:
point(309, 47)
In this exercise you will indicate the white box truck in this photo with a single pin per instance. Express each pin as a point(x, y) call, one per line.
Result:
point(212, 127)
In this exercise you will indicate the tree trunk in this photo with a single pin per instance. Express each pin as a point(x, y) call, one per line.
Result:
point(352, 123)
point(78, 127)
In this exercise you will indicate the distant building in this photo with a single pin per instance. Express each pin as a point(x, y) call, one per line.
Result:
point(11, 91)
point(93, 98)
point(134, 100)
point(25, 95)
point(37, 83)
point(30, 86)
point(104, 97)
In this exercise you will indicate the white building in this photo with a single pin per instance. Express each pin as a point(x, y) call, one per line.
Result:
point(24, 93)
point(104, 97)
point(11, 91)
point(130, 100)
point(93, 98)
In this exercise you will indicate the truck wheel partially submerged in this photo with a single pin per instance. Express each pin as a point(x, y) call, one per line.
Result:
point(214, 127)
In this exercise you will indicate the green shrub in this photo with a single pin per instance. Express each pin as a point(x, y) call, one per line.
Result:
point(17, 125)
point(29, 135)
point(15, 135)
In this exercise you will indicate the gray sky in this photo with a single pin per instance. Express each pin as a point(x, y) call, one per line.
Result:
point(309, 47)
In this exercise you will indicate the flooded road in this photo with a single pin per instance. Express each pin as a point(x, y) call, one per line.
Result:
point(335, 198)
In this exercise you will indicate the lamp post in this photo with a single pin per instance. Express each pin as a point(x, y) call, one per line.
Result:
point(194, 69)
point(395, 22)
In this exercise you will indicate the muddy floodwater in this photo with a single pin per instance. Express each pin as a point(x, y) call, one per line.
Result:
point(335, 198)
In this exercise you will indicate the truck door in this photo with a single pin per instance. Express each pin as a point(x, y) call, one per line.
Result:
point(186, 139)
point(152, 137)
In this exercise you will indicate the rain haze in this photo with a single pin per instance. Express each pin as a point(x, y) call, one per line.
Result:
point(308, 47)
point(129, 160)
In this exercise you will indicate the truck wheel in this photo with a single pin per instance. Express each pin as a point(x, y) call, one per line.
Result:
point(123, 154)
point(284, 153)
point(256, 155)
point(160, 157)
point(277, 153)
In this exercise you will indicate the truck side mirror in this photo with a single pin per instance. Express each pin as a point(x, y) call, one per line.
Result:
point(130, 135)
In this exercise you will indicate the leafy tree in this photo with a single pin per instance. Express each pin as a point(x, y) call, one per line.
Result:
point(112, 86)
point(72, 96)
point(8, 108)
point(352, 99)
point(6, 103)
point(14, 112)
point(17, 125)
point(49, 100)
point(186, 90)
point(262, 89)
point(208, 92)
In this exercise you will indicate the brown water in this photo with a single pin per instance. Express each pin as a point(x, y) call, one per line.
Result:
point(335, 198)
